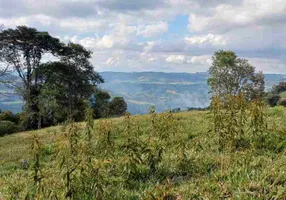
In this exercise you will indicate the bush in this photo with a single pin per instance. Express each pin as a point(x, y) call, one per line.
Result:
point(7, 127)
point(273, 99)
point(9, 116)
point(23, 121)
point(282, 102)
point(117, 106)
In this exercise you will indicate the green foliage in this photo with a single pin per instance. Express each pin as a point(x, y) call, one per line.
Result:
point(230, 75)
point(7, 127)
point(11, 123)
point(273, 99)
point(117, 106)
point(105, 143)
point(100, 104)
point(53, 91)
point(36, 148)
point(9, 116)
point(258, 123)
point(281, 87)
point(67, 85)
point(282, 102)
point(237, 122)
point(237, 103)
point(104, 107)
point(277, 95)
point(134, 149)
point(22, 48)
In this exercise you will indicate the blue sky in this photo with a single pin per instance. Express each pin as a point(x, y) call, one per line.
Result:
point(160, 35)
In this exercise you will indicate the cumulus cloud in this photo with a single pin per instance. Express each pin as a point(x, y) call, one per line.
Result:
point(268, 65)
point(247, 13)
point(112, 61)
point(131, 5)
point(120, 37)
point(184, 59)
point(210, 38)
point(161, 35)
point(153, 29)
point(177, 59)
point(58, 8)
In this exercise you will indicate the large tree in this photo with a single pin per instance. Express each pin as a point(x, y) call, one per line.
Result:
point(67, 85)
point(232, 75)
point(22, 49)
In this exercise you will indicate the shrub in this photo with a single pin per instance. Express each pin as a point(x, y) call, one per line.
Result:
point(23, 121)
point(7, 127)
point(282, 102)
point(117, 106)
point(273, 99)
point(9, 116)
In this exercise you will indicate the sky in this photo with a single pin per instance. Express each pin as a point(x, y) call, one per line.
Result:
point(160, 35)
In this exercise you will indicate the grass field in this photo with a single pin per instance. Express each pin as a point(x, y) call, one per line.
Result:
point(191, 167)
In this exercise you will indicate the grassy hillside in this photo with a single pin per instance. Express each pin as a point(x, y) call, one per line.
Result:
point(192, 167)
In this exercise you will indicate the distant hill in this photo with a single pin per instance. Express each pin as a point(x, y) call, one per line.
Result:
point(144, 89)
point(163, 90)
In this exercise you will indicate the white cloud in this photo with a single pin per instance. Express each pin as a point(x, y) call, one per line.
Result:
point(185, 59)
point(210, 38)
point(268, 65)
point(247, 13)
point(56, 24)
point(120, 37)
point(151, 59)
point(127, 35)
point(177, 59)
point(112, 61)
point(202, 60)
point(153, 29)
point(12, 22)
point(81, 25)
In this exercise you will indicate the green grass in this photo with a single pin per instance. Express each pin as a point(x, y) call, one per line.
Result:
point(248, 173)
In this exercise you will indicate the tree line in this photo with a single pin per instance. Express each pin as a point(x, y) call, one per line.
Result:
point(55, 89)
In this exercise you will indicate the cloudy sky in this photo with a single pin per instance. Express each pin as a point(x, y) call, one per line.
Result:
point(161, 35)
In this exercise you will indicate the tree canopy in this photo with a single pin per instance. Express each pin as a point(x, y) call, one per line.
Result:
point(22, 49)
point(53, 91)
point(232, 75)
point(117, 106)
point(104, 106)
point(68, 83)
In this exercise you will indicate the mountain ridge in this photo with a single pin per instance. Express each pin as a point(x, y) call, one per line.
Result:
point(164, 90)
